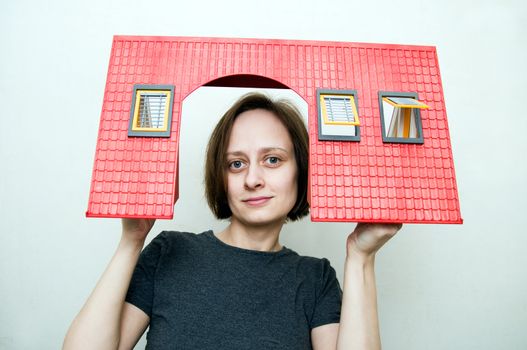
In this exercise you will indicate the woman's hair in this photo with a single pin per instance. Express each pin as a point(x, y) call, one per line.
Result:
point(216, 161)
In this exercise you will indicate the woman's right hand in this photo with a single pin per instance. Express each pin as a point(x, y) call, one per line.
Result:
point(136, 229)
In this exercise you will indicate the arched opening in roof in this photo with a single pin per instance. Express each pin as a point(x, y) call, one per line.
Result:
point(200, 112)
point(247, 81)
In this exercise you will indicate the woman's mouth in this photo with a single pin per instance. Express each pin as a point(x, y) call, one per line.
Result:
point(255, 201)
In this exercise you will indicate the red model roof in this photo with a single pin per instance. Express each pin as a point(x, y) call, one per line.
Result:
point(368, 180)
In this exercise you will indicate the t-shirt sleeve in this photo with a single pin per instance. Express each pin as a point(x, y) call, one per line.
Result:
point(328, 297)
point(141, 290)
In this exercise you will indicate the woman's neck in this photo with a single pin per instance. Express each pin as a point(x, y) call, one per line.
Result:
point(264, 238)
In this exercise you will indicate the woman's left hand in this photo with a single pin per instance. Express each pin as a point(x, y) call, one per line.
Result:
point(368, 238)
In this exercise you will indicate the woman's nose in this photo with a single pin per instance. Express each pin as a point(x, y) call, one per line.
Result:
point(254, 178)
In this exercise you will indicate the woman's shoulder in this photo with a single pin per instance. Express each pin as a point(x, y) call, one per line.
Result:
point(169, 240)
point(174, 235)
point(309, 264)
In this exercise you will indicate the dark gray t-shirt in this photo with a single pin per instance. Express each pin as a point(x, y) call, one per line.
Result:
point(201, 293)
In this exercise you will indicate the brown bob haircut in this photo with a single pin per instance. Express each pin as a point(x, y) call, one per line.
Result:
point(216, 161)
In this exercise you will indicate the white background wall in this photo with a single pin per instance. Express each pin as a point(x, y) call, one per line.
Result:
point(440, 286)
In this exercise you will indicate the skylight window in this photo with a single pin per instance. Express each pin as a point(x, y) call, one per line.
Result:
point(338, 115)
point(151, 112)
point(401, 117)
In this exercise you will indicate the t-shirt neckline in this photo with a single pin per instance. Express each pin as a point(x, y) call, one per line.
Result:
point(219, 242)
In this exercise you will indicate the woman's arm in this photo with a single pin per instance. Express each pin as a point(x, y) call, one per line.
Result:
point(99, 323)
point(359, 323)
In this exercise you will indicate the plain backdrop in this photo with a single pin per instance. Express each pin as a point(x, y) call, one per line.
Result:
point(440, 286)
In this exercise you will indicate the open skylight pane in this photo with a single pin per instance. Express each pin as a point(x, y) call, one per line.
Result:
point(405, 102)
point(401, 117)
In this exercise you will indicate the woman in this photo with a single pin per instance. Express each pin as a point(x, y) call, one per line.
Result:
point(239, 288)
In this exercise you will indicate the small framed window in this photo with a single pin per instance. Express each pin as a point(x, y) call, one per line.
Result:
point(151, 111)
point(401, 117)
point(338, 117)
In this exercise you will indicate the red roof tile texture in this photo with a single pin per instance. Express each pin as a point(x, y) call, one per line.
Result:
point(367, 181)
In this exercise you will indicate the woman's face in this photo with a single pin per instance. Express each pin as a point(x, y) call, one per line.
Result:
point(261, 169)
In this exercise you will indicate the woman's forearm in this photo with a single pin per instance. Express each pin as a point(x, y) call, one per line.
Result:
point(97, 325)
point(359, 322)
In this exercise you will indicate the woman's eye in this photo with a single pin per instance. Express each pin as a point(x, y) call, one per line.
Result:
point(273, 160)
point(236, 164)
